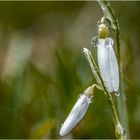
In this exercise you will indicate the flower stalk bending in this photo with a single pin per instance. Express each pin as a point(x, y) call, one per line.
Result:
point(78, 111)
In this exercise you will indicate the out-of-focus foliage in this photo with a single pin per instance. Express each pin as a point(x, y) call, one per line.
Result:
point(43, 68)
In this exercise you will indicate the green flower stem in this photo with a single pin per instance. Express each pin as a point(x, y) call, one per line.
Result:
point(111, 18)
point(90, 90)
point(118, 128)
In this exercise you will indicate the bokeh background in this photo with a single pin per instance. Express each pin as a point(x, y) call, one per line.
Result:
point(43, 68)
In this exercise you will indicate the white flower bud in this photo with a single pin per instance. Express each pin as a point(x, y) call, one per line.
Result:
point(76, 114)
point(108, 64)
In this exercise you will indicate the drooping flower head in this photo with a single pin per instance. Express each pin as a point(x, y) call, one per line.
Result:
point(106, 57)
point(108, 64)
point(76, 114)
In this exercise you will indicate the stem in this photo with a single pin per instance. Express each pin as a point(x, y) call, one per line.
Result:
point(90, 90)
point(109, 14)
point(119, 130)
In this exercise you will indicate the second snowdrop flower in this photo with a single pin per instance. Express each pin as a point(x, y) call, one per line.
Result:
point(76, 114)
point(108, 64)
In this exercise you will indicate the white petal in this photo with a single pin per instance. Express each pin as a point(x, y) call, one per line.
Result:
point(76, 114)
point(108, 64)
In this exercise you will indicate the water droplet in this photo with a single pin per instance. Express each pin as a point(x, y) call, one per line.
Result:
point(94, 41)
point(117, 93)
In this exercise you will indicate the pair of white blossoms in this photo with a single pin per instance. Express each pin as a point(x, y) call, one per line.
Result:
point(109, 71)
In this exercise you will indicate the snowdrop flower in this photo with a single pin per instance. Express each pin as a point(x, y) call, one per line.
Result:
point(108, 64)
point(76, 114)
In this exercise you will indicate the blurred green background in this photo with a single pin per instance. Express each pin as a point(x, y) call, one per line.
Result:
point(43, 68)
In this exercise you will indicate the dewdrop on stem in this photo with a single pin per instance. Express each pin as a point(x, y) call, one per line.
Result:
point(107, 60)
point(76, 114)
